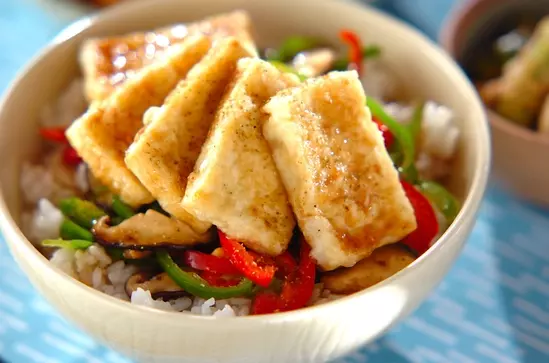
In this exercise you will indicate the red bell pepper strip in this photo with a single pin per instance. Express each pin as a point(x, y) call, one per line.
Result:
point(54, 134)
point(261, 260)
point(265, 303)
point(57, 134)
point(245, 262)
point(286, 264)
point(355, 49)
point(215, 279)
point(70, 156)
point(297, 289)
point(427, 224)
point(205, 262)
point(388, 137)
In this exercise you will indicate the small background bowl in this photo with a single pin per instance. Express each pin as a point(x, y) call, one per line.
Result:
point(314, 334)
point(520, 156)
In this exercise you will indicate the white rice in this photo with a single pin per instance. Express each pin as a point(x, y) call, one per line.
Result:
point(81, 178)
point(181, 304)
point(64, 260)
point(50, 181)
point(378, 81)
point(227, 311)
point(438, 139)
point(439, 133)
point(144, 298)
point(36, 183)
point(95, 268)
point(198, 306)
point(43, 223)
point(218, 308)
point(70, 105)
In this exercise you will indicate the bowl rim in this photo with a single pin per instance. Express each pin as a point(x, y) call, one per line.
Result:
point(462, 15)
point(467, 213)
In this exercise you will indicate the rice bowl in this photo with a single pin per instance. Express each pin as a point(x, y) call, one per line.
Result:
point(169, 349)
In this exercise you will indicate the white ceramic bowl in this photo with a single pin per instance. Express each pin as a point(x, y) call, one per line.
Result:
point(310, 335)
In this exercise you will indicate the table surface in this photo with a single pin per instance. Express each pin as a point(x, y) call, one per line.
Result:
point(492, 307)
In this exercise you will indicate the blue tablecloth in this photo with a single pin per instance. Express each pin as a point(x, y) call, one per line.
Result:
point(492, 307)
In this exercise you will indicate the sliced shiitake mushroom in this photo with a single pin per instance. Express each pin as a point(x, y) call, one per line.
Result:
point(381, 264)
point(314, 62)
point(160, 286)
point(136, 255)
point(148, 230)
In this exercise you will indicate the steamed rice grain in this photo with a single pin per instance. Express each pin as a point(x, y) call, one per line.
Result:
point(44, 222)
point(81, 178)
point(143, 298)
point(67, 108)
point(438, 139)
point(36, 183)
point(439, 134)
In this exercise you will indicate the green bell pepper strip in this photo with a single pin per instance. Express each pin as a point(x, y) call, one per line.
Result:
point(293, 46)
point(70, 230)
point(444, 201)
point(283, 67)
point(414, 127)
point(415, 123)
point(83, 212)
point(402, 135)
point(195, 285)
point(371, 51)
point(342, 64)
point(75, 244)
point(406, 136)
point(121, 209)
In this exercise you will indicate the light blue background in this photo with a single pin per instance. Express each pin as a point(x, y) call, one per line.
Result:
point(492, 307)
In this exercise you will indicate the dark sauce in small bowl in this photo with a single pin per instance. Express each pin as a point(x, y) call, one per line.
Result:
point(495, 42)
point(492, 39)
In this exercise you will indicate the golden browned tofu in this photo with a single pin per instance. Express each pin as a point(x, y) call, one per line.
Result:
point(235, 184)
point(383, 263)
point(340, 180)
point(164, 154)
point(109, 62)
point(104, 133)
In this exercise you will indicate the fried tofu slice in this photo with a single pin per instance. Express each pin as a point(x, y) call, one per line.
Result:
point(340, 180)
point(235, 184)
point(104, 133)
point(383, 263)
point(164, 154)
point(109, 62)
